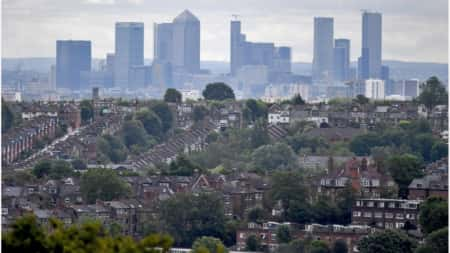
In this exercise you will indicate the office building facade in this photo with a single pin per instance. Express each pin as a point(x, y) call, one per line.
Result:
point(341, 59)
point(129, 51)
point(375, 89)
point(370, 60)
point(186, 43)
point(322, 69)
point(73, 58)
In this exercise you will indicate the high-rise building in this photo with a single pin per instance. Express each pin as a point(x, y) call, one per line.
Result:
point(371, 46)
point(162, 42)
point(235, 46)
point(322, 69)
point(186, 43)
point(73, 57)
point(109, 69)
point(375, 89)
point(282, 60)
point(129, 51)
point(277, 60)
point(410, 88)
point(341, 59)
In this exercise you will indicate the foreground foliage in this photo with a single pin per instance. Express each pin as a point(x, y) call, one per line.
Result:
point(27, 236)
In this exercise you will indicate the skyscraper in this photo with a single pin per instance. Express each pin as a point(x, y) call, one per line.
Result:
point(247, 53)
point(322, 69)
point(341, 59)
point(371, 45)
point(72, 58)
point(162, 42)
point(186, 43)
point(235, 46)
point(129, 51)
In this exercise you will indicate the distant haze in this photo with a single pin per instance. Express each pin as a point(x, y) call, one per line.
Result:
point(413, 30)
point(399, 69)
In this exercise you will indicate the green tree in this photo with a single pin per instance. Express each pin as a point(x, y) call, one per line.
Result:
point(42, 168)
point(362, 100)
point(290, 188)
point(362, 144)
point(433, 93)
point(199, 113)
point(253, 243)
point(78, 164)
point(256, 215)
point(187, 216)
point(102, 184)
point(151, 122)
point(436, 242)
point(210, 244)
point(26, 235)
point(7, 117)
point(112, 148)
point(387, 241)
point(438, 151)
point(255, 109)
point(55, 169)
point(172, 96)
point(297, 100)
point(182, 166)
point(134, 133)
point(403, 169)
point(218, 91)
point(318, 246)
point(324, 211)
point(274, 157)
point(87, 111)
point(283, 234)
point(164, 113)
point(340, 246)
point(433, 214)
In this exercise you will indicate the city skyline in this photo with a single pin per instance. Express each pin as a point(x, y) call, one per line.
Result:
point(276, 25)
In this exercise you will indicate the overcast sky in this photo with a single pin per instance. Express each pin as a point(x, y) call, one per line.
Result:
point(413, 30)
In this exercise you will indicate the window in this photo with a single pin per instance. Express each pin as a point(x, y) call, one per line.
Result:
point(358, 203)
point(370, 204)
point(389, 215)
point(389, 225)
point(378, 215)
point(356, 214)
point(410, 216)
point(399, 216)
point(367, 214)
point(381, 204)
point(399, 225)
point(391, 205)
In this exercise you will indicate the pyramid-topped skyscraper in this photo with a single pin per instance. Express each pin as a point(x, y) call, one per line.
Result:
point(186, 43)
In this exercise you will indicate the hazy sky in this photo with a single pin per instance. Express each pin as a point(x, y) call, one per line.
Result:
point(413, 30)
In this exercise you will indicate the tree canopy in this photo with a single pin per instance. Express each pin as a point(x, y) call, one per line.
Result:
point(218, 91)
point(27, 235)
point(172, 96)
point(387, 241)
point(102, 184)
point(164, 113)
point(433, 93)
point(55, 169)
point(187, 216)
point(433, 214)
point(208, 244)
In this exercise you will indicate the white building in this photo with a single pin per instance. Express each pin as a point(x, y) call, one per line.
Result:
point(190, 95)
point(375, 89)
point(12, 96)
